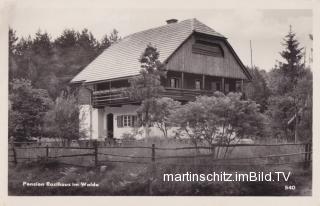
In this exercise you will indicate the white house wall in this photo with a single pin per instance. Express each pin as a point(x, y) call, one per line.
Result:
point(101, 123)
point(128, 110)
point(84, 119)
point(117, 111)
point(98, 122)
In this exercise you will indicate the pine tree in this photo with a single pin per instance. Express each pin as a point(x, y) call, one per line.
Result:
point(13, 67)
point(108, 40)
point(292, 54)
point(68, 39)
point(291, 87)
point(12, 41)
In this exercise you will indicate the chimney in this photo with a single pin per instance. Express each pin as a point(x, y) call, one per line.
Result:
point(172, 21)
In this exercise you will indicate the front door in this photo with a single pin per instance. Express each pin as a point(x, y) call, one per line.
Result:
point(110, 125)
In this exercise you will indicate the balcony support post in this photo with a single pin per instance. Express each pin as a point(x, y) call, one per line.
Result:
point(203, 81)
point(182, 80)
point(222, 85)
point(242, 86)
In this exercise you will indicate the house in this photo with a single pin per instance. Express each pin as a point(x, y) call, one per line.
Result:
point(199, 61)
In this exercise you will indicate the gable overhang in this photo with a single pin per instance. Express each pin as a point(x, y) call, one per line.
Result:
point(105, 80)
point(244, 68)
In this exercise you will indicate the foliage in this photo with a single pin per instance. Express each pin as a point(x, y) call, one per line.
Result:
point(219, 119)
point(40, 68)
point(303, 94)
point(146, 86)
point(27, 107)
point(257, 90)
point(51, 64)
point(290, 103)
point(292, 54)
point(281, 109)
point(128, 136)
point(62, 120)
point(108, 40)
point(160, 111)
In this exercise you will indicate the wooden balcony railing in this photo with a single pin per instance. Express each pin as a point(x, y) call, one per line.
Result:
point(117, 97)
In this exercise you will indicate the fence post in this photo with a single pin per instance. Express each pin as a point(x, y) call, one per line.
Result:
point(95, 146)
point(153, 168)
point(14, 153)
point(307, 155)
point(213, 151)
point(153, 153)
point(47, 152)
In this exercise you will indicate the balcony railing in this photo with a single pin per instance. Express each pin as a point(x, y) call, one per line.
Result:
point(117, 97)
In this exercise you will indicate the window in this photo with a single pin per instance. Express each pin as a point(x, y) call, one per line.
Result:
point(227, 87)
point(198, 84)
point(207, 48)
point(126, 120)
point(216, 86)
point(174, 83)
point(238, 86)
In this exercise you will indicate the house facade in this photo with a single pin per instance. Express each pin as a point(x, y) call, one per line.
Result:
point(199, 61)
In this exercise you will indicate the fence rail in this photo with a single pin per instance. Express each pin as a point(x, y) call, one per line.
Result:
point(158, 159)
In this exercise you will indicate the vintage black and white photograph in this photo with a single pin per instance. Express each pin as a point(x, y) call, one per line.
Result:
point(159, 102)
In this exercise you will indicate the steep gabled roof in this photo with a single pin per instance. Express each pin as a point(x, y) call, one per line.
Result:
point(122, 59)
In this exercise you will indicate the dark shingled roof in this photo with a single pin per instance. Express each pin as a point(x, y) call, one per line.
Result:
point(121, 59)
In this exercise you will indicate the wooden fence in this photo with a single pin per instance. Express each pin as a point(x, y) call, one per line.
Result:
point(98, 152)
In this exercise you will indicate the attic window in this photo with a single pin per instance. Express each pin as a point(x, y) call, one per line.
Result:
point(207, 48)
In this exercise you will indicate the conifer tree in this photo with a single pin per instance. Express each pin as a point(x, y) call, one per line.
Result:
point(292, 54)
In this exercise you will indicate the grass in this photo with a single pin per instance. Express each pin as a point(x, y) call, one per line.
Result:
point(142, 179)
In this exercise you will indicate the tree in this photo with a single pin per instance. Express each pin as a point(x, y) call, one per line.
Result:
point(42, 44)
point(303, 102)
point(51, 64)
point(281, 110)
point(220, 119)
point(27, 109)
point(257, 90)
point(67, 39)
point(160, 111)
point(290, 84)
point(12, 41)
point(62, 119)
point(292, 54)
point(108, 40)
point(12, 53)
point(146, 86)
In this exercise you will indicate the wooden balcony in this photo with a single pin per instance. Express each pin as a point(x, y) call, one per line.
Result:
point(115, 97)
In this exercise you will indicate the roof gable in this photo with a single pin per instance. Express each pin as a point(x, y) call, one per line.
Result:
point(227, 65)
point(122, 58)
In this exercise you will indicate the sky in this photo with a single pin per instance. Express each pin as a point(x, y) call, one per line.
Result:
point(265, 28)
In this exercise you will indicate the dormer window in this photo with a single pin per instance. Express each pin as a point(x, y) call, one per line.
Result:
point(207, 48)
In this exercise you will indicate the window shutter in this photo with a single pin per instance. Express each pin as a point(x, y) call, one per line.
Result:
point(120, 121)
